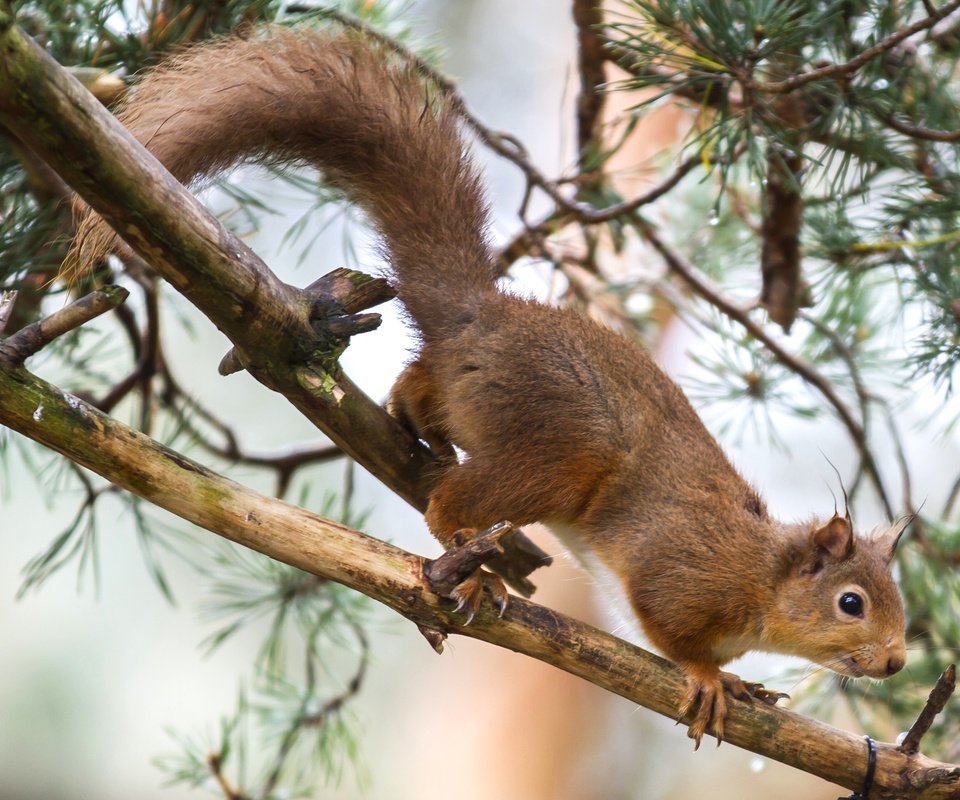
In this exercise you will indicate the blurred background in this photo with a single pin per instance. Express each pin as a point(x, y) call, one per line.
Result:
point(101, 678)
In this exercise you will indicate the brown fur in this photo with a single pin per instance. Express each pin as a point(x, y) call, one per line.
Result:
point(563, 421)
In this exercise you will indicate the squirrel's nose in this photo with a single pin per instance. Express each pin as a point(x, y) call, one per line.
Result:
point(895, 664)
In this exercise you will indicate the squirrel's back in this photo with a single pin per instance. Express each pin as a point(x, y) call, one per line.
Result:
point(344, 104)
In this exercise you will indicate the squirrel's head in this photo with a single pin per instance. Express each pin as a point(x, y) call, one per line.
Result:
point(837, 603)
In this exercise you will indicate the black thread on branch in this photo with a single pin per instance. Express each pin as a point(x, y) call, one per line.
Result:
point(864, 793)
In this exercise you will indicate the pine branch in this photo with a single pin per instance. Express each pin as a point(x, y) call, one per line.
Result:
point(702, 287)
point(847, 68)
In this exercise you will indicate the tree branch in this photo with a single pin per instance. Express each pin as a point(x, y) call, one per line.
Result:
point(268, 321)
point(31, 339)
point(394, 577)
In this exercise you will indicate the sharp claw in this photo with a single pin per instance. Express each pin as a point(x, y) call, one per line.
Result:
point(464, 606)
point(772, 698)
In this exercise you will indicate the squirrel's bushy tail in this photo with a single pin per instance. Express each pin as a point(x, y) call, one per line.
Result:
point(343, 104)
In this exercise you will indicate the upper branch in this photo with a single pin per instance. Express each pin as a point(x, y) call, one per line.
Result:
point(217, 272)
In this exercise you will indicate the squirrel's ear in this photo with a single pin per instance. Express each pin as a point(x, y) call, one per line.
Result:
point(836, 537)
point(888, 539)
point(832, 542)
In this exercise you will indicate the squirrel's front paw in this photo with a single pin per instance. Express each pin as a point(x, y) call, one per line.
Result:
point(704, 700)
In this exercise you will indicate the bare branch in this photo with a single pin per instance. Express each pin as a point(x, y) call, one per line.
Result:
point(31, 339)
point(920, 132)
point(704, 289)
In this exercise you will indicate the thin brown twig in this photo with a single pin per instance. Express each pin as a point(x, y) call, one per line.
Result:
point(215, 765)
point(920, 132)
point(284, 464)
point(700, 95)
point(314, 719)
point(703, 288)
point(951, 500)
point(533, 234)
point(865, 398)
point(936, 702)
point(31, 339)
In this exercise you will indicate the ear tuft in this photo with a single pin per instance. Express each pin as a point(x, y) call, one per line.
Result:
point(835, 538)
point(888, 539)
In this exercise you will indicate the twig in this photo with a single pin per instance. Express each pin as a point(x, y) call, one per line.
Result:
point(533, 234)
point(704, 289)
point(920, 132)
point(314, 719)
point(938, 698)
point(951, 500)
point(847, 68)
point(31, 339)
point(865, 398)
point(215, 765)
point(734, 104)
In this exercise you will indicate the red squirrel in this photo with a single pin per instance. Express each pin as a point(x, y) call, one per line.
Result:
point(561, 420)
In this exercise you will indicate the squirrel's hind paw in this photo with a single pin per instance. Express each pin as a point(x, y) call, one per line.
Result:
point(469, 593)
point(457, 574)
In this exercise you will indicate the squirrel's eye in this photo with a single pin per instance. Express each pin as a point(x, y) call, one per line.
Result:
point(852, 604)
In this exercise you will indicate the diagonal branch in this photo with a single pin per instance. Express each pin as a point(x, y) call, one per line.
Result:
point(268, 321)
point(394, 577)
